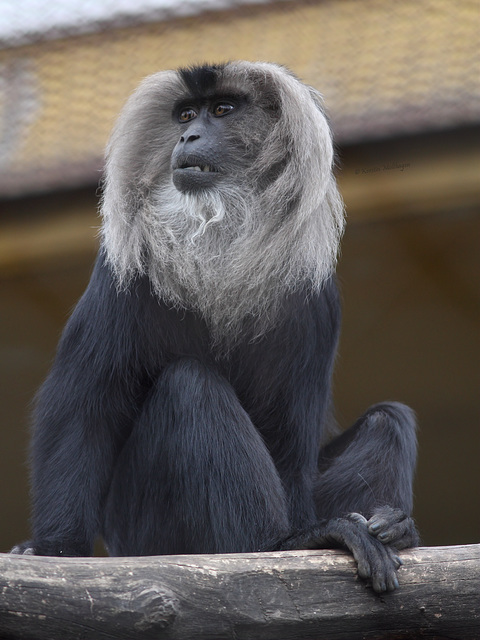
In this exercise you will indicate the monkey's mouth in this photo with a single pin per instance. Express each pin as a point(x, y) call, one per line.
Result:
point(194, 174)
point(205, 168)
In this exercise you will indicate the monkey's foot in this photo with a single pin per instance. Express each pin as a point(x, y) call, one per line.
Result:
point(50, 548)
point(393, 527)
point(24, 548)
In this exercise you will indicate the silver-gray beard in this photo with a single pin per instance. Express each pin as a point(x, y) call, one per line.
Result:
point(224, 254)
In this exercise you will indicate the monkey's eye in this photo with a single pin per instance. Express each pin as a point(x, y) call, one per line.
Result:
point(222, 108)
point(186, 115)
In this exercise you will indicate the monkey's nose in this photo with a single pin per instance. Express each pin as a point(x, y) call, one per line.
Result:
point(190, 137)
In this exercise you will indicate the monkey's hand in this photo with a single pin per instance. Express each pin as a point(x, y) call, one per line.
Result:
point(377, 563)
point(393, 527)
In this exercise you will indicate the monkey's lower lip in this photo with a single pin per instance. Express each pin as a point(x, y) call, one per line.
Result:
point(193, 178)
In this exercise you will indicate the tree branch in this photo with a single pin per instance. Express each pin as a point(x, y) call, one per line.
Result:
point(292, 595)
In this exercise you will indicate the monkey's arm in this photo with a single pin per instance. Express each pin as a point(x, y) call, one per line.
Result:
point(307, 389)
point(290, 373)
point(82, 412)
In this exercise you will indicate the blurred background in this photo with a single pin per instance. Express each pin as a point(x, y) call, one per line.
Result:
point(401, 81)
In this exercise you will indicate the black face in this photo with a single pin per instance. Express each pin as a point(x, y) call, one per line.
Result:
point(203, 154)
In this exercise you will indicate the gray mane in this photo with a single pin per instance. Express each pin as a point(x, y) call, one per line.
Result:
point(233, 252)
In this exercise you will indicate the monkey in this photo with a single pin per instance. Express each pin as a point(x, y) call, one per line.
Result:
point(189, 406)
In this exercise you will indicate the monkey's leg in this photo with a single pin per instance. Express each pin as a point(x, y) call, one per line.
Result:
point(195, 476)
point(371, 466)
point(364, 494)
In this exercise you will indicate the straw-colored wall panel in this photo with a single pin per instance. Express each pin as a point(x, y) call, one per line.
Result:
point(384, 67)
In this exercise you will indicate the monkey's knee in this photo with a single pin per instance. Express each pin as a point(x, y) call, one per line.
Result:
point(399, 415)
point(184, 369)
point(393, 424)
point(188, 378)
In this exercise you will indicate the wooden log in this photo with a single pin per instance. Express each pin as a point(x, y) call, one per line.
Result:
point(307, 595)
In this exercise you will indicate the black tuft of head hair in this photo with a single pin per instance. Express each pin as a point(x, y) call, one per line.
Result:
point(201, 79)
